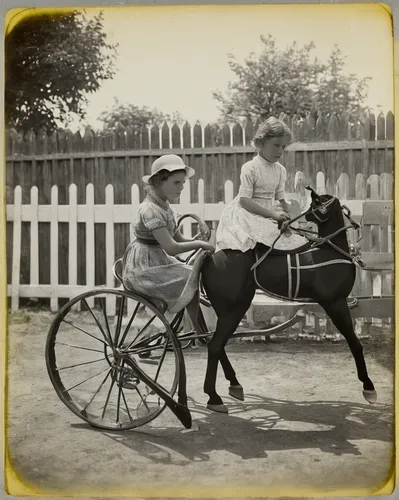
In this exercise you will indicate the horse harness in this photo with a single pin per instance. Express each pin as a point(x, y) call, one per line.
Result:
point(296, 264)
point(303, 261)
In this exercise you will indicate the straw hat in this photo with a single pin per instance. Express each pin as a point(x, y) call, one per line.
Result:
point(171, 163)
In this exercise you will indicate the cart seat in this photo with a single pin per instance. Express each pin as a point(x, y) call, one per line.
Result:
point(157, 302)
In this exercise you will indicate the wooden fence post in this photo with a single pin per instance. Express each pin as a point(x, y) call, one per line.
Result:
point(342, 187)
point(16, 248)
point(185, 199)
point(90, 242)
point(54, 249)
point(73, 238)
point(109, 246)
point(228, 192)
point(320, 183)
point(34, 236)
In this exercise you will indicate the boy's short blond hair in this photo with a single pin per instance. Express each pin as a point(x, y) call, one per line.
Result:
point(272, 127)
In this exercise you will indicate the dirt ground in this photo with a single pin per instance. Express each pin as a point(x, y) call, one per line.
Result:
point(303, 426)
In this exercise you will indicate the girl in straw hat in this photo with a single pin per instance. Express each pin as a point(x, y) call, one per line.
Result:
point(149, 265)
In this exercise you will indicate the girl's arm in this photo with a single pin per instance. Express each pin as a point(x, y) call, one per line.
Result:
point(173, 247)
point(181, 239)
point(254, 208)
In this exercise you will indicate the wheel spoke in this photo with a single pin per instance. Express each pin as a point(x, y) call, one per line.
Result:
point(141, 331)
point(86, 379)
point(129, 324)
point(120, 393)
point(78, 347)
point(108, 339)
point(142, 399)
point(119, 322)
point(81, 364)
point(104, 311)
point(108, 396)
point(127, 409)
point(118, 403)
point(84, 331)
point(162, 359)
point(97, 391)
point(146, 341)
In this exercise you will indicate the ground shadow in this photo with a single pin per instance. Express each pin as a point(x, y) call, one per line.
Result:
point(261, 425)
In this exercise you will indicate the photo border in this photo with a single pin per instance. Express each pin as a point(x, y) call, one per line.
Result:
point(10, 17)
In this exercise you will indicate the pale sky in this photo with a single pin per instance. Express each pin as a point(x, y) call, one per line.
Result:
point(172, 58)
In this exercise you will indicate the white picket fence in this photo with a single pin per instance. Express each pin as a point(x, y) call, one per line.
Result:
point(91, 214)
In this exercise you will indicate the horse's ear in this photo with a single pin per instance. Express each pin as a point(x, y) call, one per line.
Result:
point(312, 192)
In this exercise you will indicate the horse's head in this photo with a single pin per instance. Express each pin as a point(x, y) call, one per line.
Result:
point(323, 208)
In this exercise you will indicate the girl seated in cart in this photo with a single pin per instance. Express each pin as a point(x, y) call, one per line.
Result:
point(149, 265)
point(251, 217)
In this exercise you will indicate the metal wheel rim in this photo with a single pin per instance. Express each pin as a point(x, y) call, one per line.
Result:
point(57, 382)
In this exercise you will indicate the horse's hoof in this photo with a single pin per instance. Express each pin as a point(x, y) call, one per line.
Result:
point(236, 391)
point(219, 408)
point(370, 396)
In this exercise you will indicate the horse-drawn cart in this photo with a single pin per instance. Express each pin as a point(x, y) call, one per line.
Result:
point(120, 370)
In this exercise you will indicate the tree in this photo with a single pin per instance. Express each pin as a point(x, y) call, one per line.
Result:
point(52, 61)
point(338, 92)
point(290, 81)
point(127, 114)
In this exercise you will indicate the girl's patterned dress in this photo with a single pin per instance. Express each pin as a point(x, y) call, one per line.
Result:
point(240, 229)
point(148, 269)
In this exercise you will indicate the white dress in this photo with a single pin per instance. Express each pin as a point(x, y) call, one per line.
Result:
point(240, 229)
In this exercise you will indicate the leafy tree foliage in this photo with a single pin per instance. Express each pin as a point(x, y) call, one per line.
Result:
point(52, 62)
point(127, 114)
point(291, 81)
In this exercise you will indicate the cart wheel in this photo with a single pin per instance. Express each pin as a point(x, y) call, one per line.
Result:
point(85, 358)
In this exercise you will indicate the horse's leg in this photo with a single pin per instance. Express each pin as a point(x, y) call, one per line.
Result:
point(342, 319)
point(230, 287)
point(226, 325)
point(235, 389)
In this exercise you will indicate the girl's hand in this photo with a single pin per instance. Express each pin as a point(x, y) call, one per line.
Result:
point(280, 215)
point(208, 247)
point(173, 247)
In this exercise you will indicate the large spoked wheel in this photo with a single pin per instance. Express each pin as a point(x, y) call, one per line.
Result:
point(86, 351)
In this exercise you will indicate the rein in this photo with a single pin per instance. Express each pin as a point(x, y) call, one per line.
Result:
point(283, 227)
point(318, 241)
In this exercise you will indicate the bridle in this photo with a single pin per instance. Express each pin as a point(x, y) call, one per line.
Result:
point(315, 209)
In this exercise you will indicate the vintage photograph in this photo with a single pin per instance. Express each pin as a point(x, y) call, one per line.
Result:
point(200, 261)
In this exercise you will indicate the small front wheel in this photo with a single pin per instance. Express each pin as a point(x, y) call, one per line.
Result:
point(85, 356)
